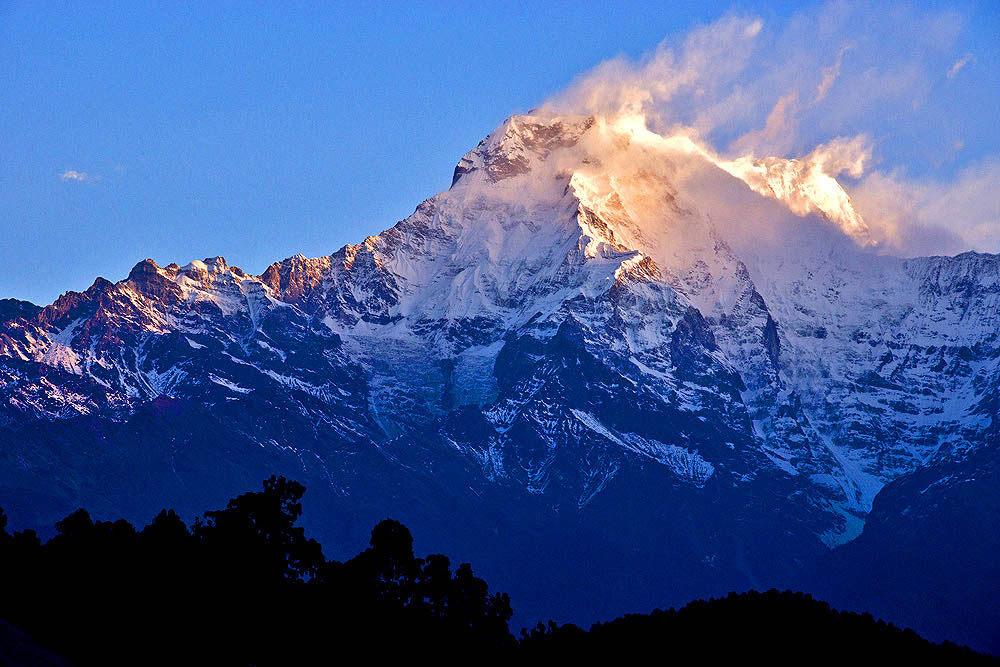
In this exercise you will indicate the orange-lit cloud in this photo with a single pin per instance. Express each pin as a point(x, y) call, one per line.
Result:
point(809, 102)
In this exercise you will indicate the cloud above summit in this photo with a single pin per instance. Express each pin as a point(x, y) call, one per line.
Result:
point(862, 89)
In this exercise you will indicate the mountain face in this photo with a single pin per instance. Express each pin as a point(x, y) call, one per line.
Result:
point(601, 351)
point(928, 553)
point(11, 308)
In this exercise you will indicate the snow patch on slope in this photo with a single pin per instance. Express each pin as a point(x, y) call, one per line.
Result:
point(687, 465)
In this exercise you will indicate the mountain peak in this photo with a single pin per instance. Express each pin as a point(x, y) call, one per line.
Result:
point(521, 141)
point(295, 276)
point(143, 270)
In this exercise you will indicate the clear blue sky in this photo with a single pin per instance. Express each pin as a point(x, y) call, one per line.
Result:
point(257, 131)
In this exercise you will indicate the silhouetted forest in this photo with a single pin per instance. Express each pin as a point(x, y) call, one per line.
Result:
point(245, 585)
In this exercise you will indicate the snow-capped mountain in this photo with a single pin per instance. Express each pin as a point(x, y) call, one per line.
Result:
point(608, 341)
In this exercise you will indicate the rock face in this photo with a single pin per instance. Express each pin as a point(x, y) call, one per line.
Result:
point(928, 553)
point(600, 353)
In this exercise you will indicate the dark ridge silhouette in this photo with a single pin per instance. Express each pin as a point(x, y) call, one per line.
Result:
point(244, 585)
point(780, 627)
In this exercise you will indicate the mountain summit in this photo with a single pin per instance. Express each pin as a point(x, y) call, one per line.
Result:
point(602, 348)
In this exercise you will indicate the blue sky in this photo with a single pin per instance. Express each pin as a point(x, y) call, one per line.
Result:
point(181, 131)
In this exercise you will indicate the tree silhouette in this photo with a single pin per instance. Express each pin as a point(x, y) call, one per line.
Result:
point(255, 537)
point(425, 601)
point(244, 585)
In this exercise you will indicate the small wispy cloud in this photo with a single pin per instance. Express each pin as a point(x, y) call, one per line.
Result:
point(830, 75)
point(73, 176)
point(959, 64)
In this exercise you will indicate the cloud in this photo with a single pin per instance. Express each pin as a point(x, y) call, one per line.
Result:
point(843, 155)
point(708, 58)
point(959, 64)
point(73, 176)
point(830, 75)
point(843, 88)
point(781, 122)
point(923, 216)
point(738, 74)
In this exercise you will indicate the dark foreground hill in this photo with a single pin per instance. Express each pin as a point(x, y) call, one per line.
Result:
point(245, 585)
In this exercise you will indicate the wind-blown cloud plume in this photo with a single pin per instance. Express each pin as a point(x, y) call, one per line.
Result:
point(821, 98)
point(932, 217)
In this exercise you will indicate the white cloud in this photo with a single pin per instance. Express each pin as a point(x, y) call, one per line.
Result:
point(73, 176)
point(919, 217)
point(959, 64)
point(708, 59)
